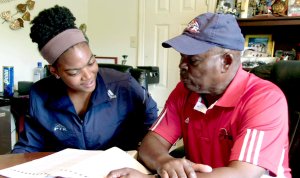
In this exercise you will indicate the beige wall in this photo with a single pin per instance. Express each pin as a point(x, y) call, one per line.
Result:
point(110, 25)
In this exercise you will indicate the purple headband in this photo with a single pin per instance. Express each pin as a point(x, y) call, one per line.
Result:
point(60, 43)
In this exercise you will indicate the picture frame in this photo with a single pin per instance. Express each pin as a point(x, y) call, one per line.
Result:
point(106, 60)
point(293, 8)
point(225, 6)
point(251, 62)
point(261, 43)
point(243, 6)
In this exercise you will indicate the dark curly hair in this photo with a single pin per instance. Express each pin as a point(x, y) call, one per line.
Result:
point(49, 23)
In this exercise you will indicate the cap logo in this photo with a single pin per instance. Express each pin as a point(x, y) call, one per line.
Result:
point(193, 27)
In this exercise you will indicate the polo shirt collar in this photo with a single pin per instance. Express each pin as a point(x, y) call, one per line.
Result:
point(235, 89)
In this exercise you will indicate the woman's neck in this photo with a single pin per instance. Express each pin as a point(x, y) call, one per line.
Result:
point(80, 101)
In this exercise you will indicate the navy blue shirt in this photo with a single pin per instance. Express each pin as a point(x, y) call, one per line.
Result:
point(119, 114)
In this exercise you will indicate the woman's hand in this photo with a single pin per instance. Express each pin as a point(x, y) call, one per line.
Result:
point(127, 173)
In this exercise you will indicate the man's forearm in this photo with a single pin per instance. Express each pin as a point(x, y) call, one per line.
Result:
point(236, 169)
point(152, 151)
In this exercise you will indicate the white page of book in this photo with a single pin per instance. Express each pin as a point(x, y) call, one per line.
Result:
point(76, 164)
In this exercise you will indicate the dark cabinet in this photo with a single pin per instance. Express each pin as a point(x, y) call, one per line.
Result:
point(7, 138)
point(285, 30)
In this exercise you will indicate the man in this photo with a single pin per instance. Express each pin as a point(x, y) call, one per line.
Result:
point(230, 120)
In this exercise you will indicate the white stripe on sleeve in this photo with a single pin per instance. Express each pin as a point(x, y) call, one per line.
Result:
point(241, 157)
point(162, 115)
point(251, 146)
point(258, 146)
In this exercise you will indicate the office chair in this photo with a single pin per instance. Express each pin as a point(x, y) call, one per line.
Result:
point(286, 75)
point(138, 74)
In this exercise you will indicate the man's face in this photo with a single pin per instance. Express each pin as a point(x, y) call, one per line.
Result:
point(202, 73)
point(78, 68)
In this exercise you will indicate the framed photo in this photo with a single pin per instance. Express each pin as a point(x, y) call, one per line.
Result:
point(251, 62)
point(294, 8)
point(260, 43)
point(225, 6)
point(242, 6)
point(106, 60)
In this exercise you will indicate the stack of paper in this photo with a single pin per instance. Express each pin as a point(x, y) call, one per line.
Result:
point(76, 164)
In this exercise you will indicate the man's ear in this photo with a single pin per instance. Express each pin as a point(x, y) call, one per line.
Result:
point(227, 60)
point(53, 71)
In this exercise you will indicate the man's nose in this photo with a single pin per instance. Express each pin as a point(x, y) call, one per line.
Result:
point(183, 64)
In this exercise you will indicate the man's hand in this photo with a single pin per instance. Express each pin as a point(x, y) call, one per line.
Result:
point(127, 173)
point(181, 168)
point(154, 153)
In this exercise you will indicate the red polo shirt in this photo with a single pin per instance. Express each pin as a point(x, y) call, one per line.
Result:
point(248, 123)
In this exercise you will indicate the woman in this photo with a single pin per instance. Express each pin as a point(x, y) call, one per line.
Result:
point(80, 106)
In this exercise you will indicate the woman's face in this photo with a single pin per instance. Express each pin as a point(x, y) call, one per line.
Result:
point(78, 68)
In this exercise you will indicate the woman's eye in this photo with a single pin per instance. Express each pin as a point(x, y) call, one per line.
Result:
point(73, 73)
point(92, 62)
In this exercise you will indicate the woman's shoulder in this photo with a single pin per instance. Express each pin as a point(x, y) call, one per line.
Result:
point(112, 75)
point(47, 85)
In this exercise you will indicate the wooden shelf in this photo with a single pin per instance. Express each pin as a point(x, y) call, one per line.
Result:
point(284, 30)
point(268, 21)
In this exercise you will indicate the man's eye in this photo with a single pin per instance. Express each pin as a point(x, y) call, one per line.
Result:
point(193, 62)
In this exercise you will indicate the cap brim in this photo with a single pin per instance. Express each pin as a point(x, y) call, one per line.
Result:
point(187, 45)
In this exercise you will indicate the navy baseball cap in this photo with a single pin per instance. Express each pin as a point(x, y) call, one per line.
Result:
point(206, 31)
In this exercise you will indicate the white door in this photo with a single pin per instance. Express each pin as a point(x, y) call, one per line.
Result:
point(160, 20)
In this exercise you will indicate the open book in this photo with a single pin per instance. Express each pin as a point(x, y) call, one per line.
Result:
point(76, 164)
